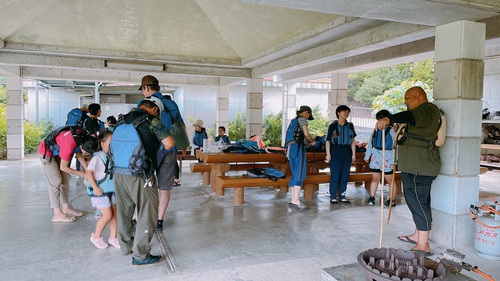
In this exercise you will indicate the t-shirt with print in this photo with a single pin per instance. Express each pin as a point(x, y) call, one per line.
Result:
point(66, 143)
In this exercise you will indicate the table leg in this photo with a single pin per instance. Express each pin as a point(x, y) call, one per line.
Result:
point(218, 169)
point(238, 196)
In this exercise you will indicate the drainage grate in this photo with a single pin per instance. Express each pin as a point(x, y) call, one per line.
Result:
point(396, 264)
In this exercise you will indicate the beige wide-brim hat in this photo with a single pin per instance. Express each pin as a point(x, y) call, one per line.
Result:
point(198, 123)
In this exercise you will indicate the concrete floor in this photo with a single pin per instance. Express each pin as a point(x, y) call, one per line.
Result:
point(206, 237)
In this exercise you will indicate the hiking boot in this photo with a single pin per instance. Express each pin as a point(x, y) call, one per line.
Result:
point(98, 242)
point(147, 261)
point(371, 201)
point(386, 203)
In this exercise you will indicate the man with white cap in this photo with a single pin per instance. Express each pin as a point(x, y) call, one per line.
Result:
point(133, 192)
point(150, 87)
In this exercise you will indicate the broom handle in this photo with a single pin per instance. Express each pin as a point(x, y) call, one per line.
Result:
point(391, 187)
point(382, 191)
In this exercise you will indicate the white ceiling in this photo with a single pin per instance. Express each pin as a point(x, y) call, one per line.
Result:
point(214, 42)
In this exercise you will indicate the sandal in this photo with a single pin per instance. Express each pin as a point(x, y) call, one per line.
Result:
point(63, 219)
point(334, 201)
point(176, 183)
point(299, 206)
point(345, 201)
point(74, 213)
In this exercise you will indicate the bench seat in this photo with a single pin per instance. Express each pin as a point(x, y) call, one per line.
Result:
point(312, 180)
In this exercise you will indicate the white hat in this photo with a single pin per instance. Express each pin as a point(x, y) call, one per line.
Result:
point(156, 101)
point(198, 123)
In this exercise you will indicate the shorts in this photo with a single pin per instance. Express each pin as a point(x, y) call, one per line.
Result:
point(379, 171)
point(165, 171)
point(103, 202)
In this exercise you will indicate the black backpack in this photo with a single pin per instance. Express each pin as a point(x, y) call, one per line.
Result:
point(78, 134)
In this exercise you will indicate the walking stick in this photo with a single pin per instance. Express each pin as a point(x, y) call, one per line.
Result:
point(382, 191)
point(391, 187)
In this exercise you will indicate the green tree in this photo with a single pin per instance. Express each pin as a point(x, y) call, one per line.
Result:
point(319, 125)
point(272, 129)
point(237, 129)
point(423, 71)
point(393, 100)
point(364, 86)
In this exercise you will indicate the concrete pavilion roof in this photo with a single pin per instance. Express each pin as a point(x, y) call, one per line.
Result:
point(219, 42)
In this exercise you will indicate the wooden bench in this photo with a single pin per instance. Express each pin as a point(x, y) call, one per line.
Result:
point(310, 184)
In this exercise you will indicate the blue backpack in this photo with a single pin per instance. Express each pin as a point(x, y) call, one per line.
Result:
point(107, 184)
point(76, 117)
point(128, 156)
point(270, 173)
point(377, 139)
point(294, 133)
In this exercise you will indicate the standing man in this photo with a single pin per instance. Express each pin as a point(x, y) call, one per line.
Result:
point(165, 171)
point(418, 161)
point(135, 192)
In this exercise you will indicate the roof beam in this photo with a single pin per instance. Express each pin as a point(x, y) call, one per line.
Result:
point(115, 55)
point(426, 12)
point(379, 37)
point(88, 63)
point(108, 76)
point(329, 31)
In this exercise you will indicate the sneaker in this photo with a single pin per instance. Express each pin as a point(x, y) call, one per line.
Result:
point(147, 261)
point(371, 201)
point(159, 225)
point(98, 242)
point(386, 203)
point(114, 242)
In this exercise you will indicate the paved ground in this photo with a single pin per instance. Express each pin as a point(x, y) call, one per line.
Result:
point(207, 238)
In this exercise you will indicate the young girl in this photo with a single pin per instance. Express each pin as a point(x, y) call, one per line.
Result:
point(373, 156)
point(341, 144)
point(103, 200)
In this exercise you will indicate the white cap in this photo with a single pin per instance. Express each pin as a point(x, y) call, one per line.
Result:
point(156, 101)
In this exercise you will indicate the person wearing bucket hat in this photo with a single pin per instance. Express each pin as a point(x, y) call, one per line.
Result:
point(199, 134)
point(340, 149)
point(166, 171)
point(296, 153)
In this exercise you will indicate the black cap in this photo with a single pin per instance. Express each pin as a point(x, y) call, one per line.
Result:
point(308, 109)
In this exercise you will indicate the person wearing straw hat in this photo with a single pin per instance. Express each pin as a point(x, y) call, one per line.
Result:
point(200, 133)
point(418, 165)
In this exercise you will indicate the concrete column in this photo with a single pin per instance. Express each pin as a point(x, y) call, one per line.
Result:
point(458, 89)
point(338, 93)
point(254, 107)
point(15, 116)
point(222, 118)
point(289, 107)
